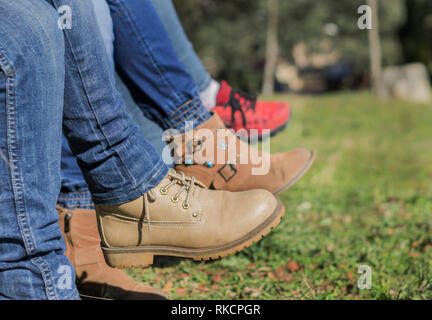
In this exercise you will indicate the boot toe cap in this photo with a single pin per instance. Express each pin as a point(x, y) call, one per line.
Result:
point(252, 209)
point(290, 166)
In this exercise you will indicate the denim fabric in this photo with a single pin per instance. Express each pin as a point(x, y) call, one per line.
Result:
point(72, 180)
point(103, 18)
point(118, 164)
point(152, 132)
point(176, 102)
point(42, 68)
point(73, 183)
point(182, 46)
point(74, 189)
point(32, 263)
point(148, 64)
point(75, 200)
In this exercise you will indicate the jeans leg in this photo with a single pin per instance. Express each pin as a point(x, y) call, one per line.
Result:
point(105, 23)
point(32, 263)
point(182, 46)
point(118, 164)
point(149, 66)
point(73, 184)
point(151, 131)
point(72, 179)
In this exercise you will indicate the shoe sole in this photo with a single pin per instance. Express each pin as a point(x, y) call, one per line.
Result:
point(94, 298)
point(273, 132)
point(260, 137)
point(88, 297)
point(299, 175)
point(144, 256)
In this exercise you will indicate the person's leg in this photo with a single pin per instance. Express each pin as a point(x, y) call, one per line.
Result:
point(76, 209)
point(208, 87)
point(182, 46)
point(105, 23)
point(237, 109)
point(95, 279)
point(118, 164)
point(32, 263)
point(152, 70)
point(151, 131)
point(141, 215)
point(75, 196)
point(149, 66)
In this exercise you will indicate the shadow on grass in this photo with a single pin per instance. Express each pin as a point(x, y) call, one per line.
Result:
point(167, 261)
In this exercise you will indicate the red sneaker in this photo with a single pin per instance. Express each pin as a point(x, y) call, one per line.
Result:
point(240, 110)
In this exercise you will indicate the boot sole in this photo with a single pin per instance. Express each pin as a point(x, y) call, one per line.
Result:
point(299, 175)
point(164, 296)
point(273, 132)
point(144, 256)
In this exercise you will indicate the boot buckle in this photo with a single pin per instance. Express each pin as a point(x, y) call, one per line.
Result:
point(227, 175)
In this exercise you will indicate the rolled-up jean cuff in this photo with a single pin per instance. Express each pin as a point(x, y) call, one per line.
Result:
point(84, 200)
point(123, 196)
point(192, 110)
point(76, 200)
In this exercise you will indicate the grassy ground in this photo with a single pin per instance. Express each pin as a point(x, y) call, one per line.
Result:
point(366, 201)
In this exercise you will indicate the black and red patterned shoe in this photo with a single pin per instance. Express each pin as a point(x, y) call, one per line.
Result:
point(239, 110)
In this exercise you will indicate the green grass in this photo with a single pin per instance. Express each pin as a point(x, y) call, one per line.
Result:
point(366, 200)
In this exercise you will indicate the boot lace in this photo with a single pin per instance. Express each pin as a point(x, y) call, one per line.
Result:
point(249, 103)
point(187, 184)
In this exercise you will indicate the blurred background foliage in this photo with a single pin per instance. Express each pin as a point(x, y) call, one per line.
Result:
point(229, 35)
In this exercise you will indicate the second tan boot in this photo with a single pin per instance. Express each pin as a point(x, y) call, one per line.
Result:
point(95, 279)
point(181, 217)
point(222, 161)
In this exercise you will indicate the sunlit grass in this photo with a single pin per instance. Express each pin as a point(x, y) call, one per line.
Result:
point(367, 200)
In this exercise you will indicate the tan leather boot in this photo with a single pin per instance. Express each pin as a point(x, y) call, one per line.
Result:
point(95, 279)
point(180, 217)
point(229, 163)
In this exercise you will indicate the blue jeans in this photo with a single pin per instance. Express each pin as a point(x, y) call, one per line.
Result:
point(152, 132)
point(74, 189)
point(42, 69)
point(32, 71)
point(161, 87)
point(182, 46)
point(148, 64)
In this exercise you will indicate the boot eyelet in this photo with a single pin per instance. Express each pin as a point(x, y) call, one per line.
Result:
point(163, 191)
point(186, 205)
point(194, 214)
point(174, 199)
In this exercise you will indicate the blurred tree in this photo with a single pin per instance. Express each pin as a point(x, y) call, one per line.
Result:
point(416, 34)
point(306, 20)
point(375, 52)
point(272, 46)
point(230, 35)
